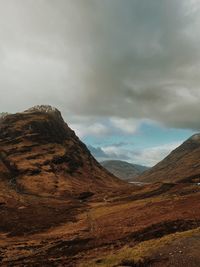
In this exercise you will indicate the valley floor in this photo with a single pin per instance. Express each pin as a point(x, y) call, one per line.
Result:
point(152, 225)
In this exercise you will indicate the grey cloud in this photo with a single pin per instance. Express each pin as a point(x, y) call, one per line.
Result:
point(127, 59)
point(121, 144)
point(145, 156)
point(101, 155)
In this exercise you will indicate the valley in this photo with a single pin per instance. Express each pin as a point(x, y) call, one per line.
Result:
point(60, 207)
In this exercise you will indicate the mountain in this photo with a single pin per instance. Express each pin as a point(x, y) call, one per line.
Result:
point(41, 155)
point(123, 169)
point(182, 164)
point(59, 207)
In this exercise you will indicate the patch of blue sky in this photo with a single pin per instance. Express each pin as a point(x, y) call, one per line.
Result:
point(148, 135)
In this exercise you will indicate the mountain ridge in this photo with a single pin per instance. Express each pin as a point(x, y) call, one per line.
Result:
point(181, 164)
point(124, 170)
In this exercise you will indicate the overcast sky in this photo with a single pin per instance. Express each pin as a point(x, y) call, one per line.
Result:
point(124, 73)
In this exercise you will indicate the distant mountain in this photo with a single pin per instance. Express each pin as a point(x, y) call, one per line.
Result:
point(182, 164)
point(123, 169)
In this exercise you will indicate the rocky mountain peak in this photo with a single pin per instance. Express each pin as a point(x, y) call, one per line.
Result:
point(43, 156)
point(42, 108)
point(48, 109)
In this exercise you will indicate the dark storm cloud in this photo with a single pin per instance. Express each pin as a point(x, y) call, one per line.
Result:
point(126, 59)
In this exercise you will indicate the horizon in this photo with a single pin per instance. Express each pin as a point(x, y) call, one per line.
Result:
point(125, 75)
point(135, 155)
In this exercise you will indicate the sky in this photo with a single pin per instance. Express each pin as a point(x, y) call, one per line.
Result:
point(124, 74)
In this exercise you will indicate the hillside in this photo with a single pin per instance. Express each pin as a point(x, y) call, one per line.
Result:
point(59, 207)
point(41, 155)
point(182, 164)
point(123, 169)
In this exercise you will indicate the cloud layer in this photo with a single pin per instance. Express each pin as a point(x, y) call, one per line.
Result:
point(108, 65)
point(125, 59)
point(147, 157)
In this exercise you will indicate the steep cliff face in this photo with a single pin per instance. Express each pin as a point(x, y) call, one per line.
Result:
point(41, 155)
point(181, 165)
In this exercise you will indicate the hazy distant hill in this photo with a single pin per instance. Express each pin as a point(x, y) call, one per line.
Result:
point(123, 169)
